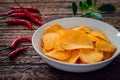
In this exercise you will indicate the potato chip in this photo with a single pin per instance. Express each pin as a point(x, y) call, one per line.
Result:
point(92, 37)
point(54, 28)
point(49, 40)
point(75, 39)
point(105, 46)
point(100, 35)
point(107, 55)
point(83, 28)
point(59, 55)
point(74, 56)
point(90, 56)
point(43, 50)
point(57, 45)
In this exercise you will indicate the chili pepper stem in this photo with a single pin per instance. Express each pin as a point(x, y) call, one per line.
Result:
point(2, 21)
point(6, 17)
point(42, 15)
point(19, 4)
point(4, 48)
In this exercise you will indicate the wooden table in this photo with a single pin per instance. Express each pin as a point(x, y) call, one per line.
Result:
point(29, 66)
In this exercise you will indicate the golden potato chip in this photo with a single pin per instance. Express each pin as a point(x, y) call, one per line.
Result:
point(92, 37)
point(43, 50)
point(105, 46)
point(100, 35)
point(54, 28)
point(107, 55)
point(90, 56)
point(57, 45)
point(74, 56)
point(49, 40)
point(83, 28)
point(75, 39)
point(59, 55)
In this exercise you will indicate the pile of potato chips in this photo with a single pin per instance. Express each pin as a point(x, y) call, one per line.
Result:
point(79, 45)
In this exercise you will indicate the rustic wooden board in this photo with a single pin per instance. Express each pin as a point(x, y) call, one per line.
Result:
point(29, 65)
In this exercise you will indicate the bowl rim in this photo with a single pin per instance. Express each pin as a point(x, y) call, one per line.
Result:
point(65, 63)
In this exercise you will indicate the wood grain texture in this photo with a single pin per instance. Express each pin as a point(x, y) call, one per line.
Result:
point(29, 65)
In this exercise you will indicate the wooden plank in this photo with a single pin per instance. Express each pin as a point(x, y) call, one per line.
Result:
point(45, 72)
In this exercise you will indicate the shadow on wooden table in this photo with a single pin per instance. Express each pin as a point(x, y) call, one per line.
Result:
point(105, 73)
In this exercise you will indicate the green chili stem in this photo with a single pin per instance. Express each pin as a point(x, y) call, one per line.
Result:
point(6, 17)
point(4, 48)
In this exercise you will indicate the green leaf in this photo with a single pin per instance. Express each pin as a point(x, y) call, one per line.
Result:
point(95, 2)
point(96, 15)
point(74, 8)
point(87, 15)
point(89, 2)
point(83, 5)
point(108, 8)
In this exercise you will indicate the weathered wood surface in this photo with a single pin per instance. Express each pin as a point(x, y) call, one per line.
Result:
point(30, 66)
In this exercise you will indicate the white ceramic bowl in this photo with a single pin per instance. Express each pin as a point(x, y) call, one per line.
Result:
point(112, 33)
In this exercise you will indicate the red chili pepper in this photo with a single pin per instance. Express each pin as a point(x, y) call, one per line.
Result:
point(16, 9)
point(21, 15)
point(16, 52)
point(12, 55)
point(18, 21)
point(37, 16)
point(29, 15)
point(17, 40)
point(13, 11)
point(29, 8)
point(13, 44)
